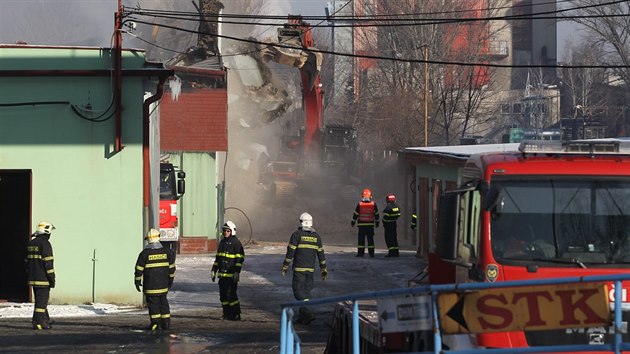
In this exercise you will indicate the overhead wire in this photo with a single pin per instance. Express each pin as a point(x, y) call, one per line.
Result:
point(388, 17)
point(404, 60)
point(366, 17)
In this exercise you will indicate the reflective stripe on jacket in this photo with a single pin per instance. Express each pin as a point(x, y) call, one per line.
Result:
point(391, 213)
point(39, 259)
point(304, 247)
point(230, 257)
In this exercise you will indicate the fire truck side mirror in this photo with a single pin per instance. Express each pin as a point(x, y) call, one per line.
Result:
point(475, 273)
point(448, 226)
point(493, 201)
point(181, 187)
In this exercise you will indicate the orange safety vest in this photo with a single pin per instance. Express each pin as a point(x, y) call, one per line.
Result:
point(366, 212)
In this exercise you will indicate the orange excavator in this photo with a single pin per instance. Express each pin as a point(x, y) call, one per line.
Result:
point(316, 150)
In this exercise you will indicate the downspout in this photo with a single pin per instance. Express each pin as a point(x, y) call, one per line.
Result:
point(146, 164)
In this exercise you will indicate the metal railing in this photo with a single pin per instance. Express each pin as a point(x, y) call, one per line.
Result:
point(290, 341)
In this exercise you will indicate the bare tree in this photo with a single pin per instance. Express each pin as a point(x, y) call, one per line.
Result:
point(391, 102)
point(605, 92)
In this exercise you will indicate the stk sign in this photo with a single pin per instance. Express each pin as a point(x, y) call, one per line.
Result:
point(519, 308)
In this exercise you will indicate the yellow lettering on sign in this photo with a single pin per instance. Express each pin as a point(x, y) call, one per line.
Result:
point(153, 257)
point(525, 308)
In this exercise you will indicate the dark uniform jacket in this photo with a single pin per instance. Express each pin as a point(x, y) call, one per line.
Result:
point(156, 264)
point(304, 246)
point(40, 262)
point(230, 257)
point(391, 213)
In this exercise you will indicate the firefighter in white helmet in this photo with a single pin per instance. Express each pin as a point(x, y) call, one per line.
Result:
point(41, 272)
point(227, 266)
point(155, 272)
point(304, 247)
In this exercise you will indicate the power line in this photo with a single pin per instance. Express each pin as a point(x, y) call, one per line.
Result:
point(403, 60)
point(375, 19)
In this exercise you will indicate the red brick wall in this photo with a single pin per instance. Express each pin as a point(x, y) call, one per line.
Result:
point(196, 245)
point(197, 121)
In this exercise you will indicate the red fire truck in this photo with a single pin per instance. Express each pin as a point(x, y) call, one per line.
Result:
point(172, 188)
point(548, 209)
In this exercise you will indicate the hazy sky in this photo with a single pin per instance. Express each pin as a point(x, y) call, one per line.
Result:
point(90, 22)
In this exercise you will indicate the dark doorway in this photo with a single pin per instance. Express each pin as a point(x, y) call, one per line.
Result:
point(15, 218)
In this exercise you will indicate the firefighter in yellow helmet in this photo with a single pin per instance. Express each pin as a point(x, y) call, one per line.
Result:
point(41, 273)
point(227, 266)
point(155, 272)
point(366, 217)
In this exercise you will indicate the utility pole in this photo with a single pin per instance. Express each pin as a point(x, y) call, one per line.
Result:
point(425, 55)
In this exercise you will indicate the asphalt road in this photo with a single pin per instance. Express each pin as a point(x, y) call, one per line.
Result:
point(196, 314)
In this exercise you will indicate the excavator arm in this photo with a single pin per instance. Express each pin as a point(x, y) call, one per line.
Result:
point(295, 47)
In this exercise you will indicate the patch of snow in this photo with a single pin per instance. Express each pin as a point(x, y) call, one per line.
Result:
point(25, 310)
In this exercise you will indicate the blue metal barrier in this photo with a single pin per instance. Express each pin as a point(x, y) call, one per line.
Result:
point(289, 339)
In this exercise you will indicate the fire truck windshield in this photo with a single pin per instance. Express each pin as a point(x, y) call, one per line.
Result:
point(561, 221)
point(167, 185)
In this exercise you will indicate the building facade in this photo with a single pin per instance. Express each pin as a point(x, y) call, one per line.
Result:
point(73, 155)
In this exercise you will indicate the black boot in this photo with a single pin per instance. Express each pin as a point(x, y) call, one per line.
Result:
point(166, 324)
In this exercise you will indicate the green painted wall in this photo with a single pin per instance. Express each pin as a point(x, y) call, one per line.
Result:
point(198, 206)
point(92, 195)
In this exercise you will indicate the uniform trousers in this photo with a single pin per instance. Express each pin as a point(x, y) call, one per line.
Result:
point(302, 287)
point(363, 233)
point(40, 312)
point(159, 311)
point(229, 299)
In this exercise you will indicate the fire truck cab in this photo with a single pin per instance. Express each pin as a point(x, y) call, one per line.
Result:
point(549, 209)
point(172, 188)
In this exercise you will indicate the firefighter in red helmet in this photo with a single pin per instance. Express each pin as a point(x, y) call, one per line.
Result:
point(391, 213)
point(366, 217)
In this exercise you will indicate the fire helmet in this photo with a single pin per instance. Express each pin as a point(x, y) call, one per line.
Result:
point(153, 236)
point(367, 194)
point(306, 220)
point(44, 227)
point(390, 198)
point(229, 225)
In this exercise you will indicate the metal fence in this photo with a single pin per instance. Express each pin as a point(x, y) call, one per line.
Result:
point(290, 340)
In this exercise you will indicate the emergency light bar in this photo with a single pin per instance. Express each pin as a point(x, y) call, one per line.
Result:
point(578, 147)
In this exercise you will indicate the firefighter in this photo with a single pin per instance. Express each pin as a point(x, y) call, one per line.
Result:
point(391, 213)
point(41, 273)
point(366, 213)
point(155, 272)
point(227, 266)
point(304, 246)
point(414, 221)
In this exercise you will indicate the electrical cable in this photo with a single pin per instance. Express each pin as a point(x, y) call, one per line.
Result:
point(41, 103)
point(398, 17)
point(251, 230)
point(403, 60)
point(195, 15)
point(99, 118)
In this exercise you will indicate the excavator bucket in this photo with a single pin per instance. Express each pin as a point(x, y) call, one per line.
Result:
point(291, 50)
